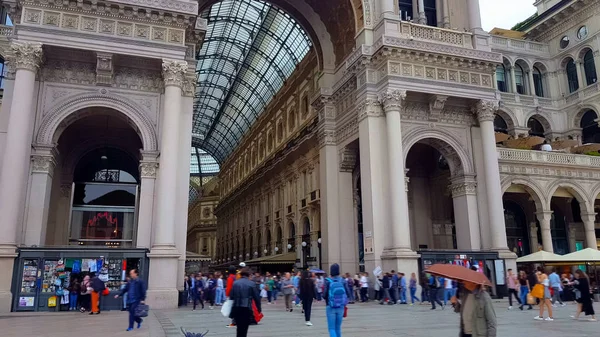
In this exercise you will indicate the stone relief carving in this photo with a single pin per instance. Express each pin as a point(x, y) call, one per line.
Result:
point(137, 79)
point(104, 69)
point(393, 99)
point(486, 110)
point(27, 56)
point(174, 72)
point(42, 164)
point(369, 107)
point(463, 188)
point(148, 169)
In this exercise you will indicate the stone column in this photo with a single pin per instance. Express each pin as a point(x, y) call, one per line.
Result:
point(513, 80)
point(531, 83)
point(348, 229)
point(400, 252)
point(446, 11)
point(62, 228)
point(572, 238)
point(544, 218)
point(474, 15)
point(464, 197)
point(589, 223)
point(485, 113)
point(580, 74)
point(533, 238)
point(422, 17)
point(148, 170)
point(43, 161)
point(386, 7)
point(328, 166)
point(14, 170)
point(162, 282)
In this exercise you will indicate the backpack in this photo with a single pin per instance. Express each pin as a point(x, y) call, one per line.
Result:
point(337, 293)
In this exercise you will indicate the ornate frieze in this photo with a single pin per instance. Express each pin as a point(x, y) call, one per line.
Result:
point(104, 69)
point(369, 107)
point(26, 56)
point(174, 72)
point(461, 188)
point(436, 106)
point(393, 99)
point(485, 110)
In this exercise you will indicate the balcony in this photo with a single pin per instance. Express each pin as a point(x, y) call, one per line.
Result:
point(6, 31)
point(548, 158)
point(418, 32)
point(315, 196)
point(500, 43)
point(583, 93)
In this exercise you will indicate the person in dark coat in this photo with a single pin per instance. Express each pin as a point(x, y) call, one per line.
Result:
point(243, 293)
point(585, 301)
point(136, 295)
point(307, 294)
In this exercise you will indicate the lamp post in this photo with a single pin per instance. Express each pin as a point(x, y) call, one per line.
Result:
point(320, 256)
point(304, 255)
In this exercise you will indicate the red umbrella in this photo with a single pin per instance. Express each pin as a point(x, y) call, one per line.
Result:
point(458, 273)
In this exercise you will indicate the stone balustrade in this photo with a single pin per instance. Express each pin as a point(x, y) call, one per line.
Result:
point(546, 157)
point(6, 31)
point(434, 34)
point(519, 46)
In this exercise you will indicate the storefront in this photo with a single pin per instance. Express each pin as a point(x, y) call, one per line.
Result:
point(487, 263)
point(41, 275)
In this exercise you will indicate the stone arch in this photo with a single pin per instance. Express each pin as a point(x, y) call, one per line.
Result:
point(541, 116)
point(575, 189)
point(67, 111)
point(525, 64)
point(446, 143)
point(509, 117)
point(566, 59)
point(582, 51)
point(304, 220)
point(534, 190)
point(580, 110)
point(595, 192)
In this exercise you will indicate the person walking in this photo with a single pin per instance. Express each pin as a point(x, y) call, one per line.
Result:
point(97, 288)
point(320, 285)
point(402, 286)
point(424, 281)
point(220, 290)
point(477, 315)
point(513, 284)
point(211, 291)
point(412, 286)
point(350, 282)
point(231, 278)
point(556, 286)
point(136, 295)
point(584, 300)
point(364, 287)
point(545, 301)
point(243, 293)
point(86, 294)
point(269, 286)
point(288, 291)
point(74, 290)
point(296, 283)
point(336, 297)
point(198, 292)
point(276, 287)
point(385, 289)
point(307, 294)
point(524, 289)
point(394, 288)
point(434, 287)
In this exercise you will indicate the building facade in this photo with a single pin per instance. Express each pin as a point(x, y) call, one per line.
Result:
point(355, 132)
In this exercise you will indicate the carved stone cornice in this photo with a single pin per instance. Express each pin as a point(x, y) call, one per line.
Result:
point(393, 100)
point(485, 110)
point(348, 159)
point(370, 107)
point(148, 169)
point(462, 188)
point(26, 55)
point(174, 72)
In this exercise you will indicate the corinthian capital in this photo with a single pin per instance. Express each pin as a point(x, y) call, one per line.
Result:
point(174, 72)
point(485, 110)
point(392, 99)
point(26, 56)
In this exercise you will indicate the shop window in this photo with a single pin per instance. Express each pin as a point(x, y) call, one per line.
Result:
point(590, 68)
point(501, 78)
point(406, 9)
point(572, 76)
point(538, 82)
point(520, 79)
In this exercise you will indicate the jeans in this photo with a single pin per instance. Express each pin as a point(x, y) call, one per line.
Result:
point(297, 300)
point(132, 316)
point(511, 293)
point(351, 298)
point(402, 295)
point(385, 293)
point(307, 306)
point(73, 301)
point(556, 295)
point(275, 293)
point(269, 295)
point(425, 295)
point(433, 298)
point(198, 297)
point(363, 294)
point(219, 296)
point(334, 321)
point(448, 293)
point(125, 301)
point(524, 292)
point(413, 295)
point(394, 294)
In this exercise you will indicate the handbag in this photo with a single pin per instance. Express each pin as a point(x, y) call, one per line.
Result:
point(530, 299)
point(258, 316)
point(226, 308)
point(141, 310)
point(105, 292)
point(345, 311)
point(537, 291)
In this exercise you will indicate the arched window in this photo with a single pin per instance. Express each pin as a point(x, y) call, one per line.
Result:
point(572, 76)
point(500, 124)
point(590, 68)
point(501, 78)
point(2, 73)
point(406, 9)
point(535, 128)
point(520, 79)
point(589, 127)
point(430, 12)
point(538, 82)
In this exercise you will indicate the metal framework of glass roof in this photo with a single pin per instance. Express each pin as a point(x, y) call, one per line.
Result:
point(202, 164)
point(250, 50)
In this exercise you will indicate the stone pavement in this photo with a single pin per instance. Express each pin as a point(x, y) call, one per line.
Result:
point(370, 320)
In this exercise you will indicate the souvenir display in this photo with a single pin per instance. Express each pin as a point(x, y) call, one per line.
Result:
point(50, 276)
point(30, 270)
point(114, 267)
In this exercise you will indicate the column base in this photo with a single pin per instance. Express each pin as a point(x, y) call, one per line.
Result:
point(162, 299)
point(162, 279)
point(7, 262)
point(401, 260)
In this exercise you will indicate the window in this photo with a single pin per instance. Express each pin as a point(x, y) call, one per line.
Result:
point(520, 79)
point(582, 33)
point(406, 9)
point(535, 127)
point(500, 124)
point(590, 68)
point(564, 42)
point(538, 82)
point(572, 76)
point(1, 73)
point(430, 12)
point(501, 79)
point(590, 131)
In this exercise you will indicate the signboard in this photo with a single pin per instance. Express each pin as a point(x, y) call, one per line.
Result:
point(368, 245)
point(500, 276)
point(377, 271)
point(26, 301)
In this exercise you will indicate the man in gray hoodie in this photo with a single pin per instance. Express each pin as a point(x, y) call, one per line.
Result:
point(474, 299)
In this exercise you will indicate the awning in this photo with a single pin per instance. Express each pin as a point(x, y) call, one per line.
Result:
point(583, 256)
point(287, 258)
point(541, 256)
point(189, 256)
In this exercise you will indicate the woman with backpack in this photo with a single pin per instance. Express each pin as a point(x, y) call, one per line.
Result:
point(336, 297)
point(307, 294)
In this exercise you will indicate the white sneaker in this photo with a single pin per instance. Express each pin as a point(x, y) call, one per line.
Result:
point(510, 308)
point(549, 319)
point(592, 320)
point(554, 305)
point(573, 317)
point(538, 318)
point(564, 304)
point(211, 308)
point(309, 324)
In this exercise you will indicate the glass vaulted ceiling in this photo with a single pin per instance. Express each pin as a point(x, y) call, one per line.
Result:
point(250, 49)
